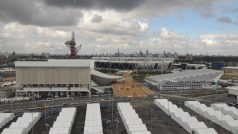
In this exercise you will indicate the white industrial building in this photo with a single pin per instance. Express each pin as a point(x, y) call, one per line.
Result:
point(53, 77)
point(187, 79)
point(233, 91)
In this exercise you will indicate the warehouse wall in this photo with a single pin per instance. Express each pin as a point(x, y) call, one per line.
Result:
point(52, 75)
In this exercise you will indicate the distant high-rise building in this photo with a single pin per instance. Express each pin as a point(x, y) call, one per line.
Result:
point(147, 52)
point(118, 54)
point(141, 53)
point(189, 57)
point(175, 56)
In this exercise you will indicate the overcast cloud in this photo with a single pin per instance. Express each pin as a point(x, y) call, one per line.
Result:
point(36, 26)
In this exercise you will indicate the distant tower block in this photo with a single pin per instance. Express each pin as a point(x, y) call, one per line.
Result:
point(71, 44)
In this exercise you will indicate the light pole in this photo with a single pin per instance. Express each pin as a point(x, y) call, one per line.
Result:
point(33, 126)
point(52, 107)
point(151, 122)
point(117, 124)
point(45, 114)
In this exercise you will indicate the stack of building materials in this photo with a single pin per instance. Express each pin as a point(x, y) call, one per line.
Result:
point(226, 121)
point(224, 108)
point(64, 121)
point(189, 123)
point(93, 121)
point(23, 124)
point(5, 118)
point(131, 120)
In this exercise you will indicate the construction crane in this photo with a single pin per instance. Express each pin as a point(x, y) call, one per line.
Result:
point(71, 44)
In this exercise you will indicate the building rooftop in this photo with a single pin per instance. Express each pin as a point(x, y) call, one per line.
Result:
point(53, 63)
point(232, 88)
point(188, 75)
point(230, 68)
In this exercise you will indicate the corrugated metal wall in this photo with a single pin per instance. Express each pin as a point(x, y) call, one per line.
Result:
point(51, 75)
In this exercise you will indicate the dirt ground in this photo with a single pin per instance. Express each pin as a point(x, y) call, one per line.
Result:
point(230, 75)
point(130, 88)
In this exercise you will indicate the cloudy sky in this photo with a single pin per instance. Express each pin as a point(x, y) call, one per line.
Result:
point(103, 26)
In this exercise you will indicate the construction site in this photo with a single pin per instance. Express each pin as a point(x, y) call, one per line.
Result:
point(130, 88)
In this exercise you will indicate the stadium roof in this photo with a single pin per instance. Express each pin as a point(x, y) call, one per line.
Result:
point(53, 63)
point(199, 75)
point(97, 73)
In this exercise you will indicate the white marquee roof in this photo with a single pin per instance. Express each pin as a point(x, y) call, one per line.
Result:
point(199, 75)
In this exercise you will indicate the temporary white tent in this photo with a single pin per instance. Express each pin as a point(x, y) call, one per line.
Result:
point(224, 108)
point(60, 130)
point(231, 126)
point(204, 131)
point(217, 116)
point(184, 119)
point(190, 126)
point(192, 104)
point(5, 118)
point(131, 120)
point(23, 124)
point(14, 131)
point(64, 121)
point(93, 122)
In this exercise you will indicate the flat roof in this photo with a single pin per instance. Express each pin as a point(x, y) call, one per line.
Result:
point(188, 75)
point(233, 88)
point(196, 65)
point(230, 68)
point(53, 63)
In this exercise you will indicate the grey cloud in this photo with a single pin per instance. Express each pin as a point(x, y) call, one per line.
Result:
point(67, 12)
point(147, 6)
point(97, 19)
point(209, 12)
point(227, 20)
point(165, 7)
point(97, 4)
point(36, 13)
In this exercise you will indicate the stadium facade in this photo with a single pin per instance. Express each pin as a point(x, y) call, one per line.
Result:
point(143, 64)
point(187, 79)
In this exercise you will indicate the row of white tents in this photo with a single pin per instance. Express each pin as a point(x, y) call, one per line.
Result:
point(131, 120)
point(64, 121)
point(5, 118)
point(184, 119)
point(216, 116)
point(23, 124)
point(224, 108)
point(93, 122)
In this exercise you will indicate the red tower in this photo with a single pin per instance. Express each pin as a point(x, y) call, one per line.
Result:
point(71, 44)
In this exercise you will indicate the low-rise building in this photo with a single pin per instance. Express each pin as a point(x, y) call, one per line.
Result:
point(233, 91)
point(187, 79)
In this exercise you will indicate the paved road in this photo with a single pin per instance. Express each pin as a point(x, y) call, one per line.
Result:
point(40, 104)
